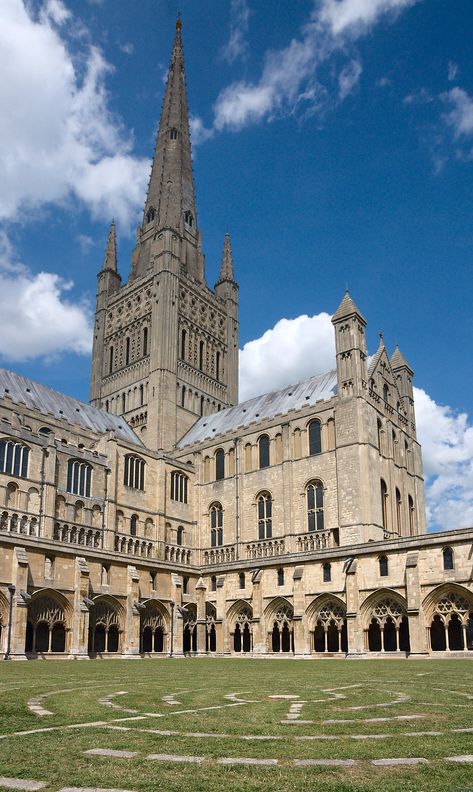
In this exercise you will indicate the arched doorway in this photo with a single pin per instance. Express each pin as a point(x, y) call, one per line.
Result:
point(451, 626)
point(388, 625)
point(105, 627)
point(46, 625)
point(330, 627)
point(241, 615)
point(281, 637)
point(152, 628)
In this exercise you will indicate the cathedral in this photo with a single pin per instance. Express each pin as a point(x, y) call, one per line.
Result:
point(165, 518)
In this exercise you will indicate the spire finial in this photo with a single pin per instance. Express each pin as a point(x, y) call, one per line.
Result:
point(178, 21)
point(381, 337)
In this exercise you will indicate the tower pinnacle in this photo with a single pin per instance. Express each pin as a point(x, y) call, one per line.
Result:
point(226, 268)
point(110, 258)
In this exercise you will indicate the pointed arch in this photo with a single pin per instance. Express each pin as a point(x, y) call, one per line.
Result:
point(460, 597)
point(381, 595)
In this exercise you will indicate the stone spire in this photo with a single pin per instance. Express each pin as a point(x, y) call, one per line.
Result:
point(226, 268)
point(170, 202)
point(110, 258)
point(398, 361)
point(346, 308)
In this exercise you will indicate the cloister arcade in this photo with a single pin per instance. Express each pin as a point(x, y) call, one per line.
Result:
point(321, 630)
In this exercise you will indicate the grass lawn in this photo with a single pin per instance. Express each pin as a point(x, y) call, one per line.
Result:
point(215, 708)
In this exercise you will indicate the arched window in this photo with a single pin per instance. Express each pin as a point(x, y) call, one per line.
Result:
point(380, 429)
point(265, 516)
point(180, 535)
point(384, 504)
point(216, 525)
point(183, 344)
point(201, 355)
point(123, 403)
point(127, 351)
point(217, 366)
point(398, 512)
point(134, 525)
point(173, 133)
point(219, 464)
point(383, 566)
point(79, 476)
point(110, 360)
point(14, 458)
point(448, 558)
point(315, 506)
point(315, 441)
point(241, 580)
point(280, 576)
point(410, 503)
point(145, 341)
point(150, 214)
point(213, 583)
point(134, 473)
point(327, 572)
point(179, 482)
point(263, 449)
point(202, 403)
point(142, 395)
point(45, 430)
point(386, 393)
point(188, 219)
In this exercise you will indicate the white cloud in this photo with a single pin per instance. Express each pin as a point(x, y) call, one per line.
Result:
point(127, 48)
point(199, 132)
point(354, 17)
point(453, 70)
point(348, 78)
point(58, 137)
point(36, 318)
point(460, 117)
point(237, 46)
point(289, 80)
point(447, 446)
point(298, 348)
point(291, 351)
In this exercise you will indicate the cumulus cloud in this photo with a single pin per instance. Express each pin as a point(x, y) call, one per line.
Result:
point(298, 348)
point(37, 320)
point(237, 45)
point(58, 138)
point(291, 351)
point(290, 80)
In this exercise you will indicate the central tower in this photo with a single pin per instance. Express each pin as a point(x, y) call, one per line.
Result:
point(165, 345)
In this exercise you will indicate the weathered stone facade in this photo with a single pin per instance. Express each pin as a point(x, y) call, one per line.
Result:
point(167, 518)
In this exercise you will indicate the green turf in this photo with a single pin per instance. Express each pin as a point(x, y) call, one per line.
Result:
point(439, 691)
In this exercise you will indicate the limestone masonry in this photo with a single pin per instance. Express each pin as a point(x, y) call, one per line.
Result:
point(166, 518)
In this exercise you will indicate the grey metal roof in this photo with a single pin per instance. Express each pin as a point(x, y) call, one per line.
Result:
point(294, 397)
point(61, 407)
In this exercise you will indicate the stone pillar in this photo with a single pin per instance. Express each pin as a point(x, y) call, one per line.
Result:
point(259, 636)
point(20, 607)
point(354, 626)
point(79, 638)
point(417, 632)
point(301, 637)
point(131, 646)
point(177, 625)
point(201, 626)
point(223, 636)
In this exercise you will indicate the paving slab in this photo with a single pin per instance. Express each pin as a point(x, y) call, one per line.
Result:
point(20, 783)
point(112, 753)
point(324, 762)
point(468, 758)
point(242, 760)
point(408, 760)
point(176, 758)
point(92, 789)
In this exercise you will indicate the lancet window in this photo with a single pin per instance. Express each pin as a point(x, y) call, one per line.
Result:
point(14, 458)
point(315, 506)
point(79, 477)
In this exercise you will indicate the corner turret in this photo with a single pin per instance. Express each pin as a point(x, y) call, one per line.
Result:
point(350, 346)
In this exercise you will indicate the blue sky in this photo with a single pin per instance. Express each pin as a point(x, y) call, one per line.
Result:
point(333, 139)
